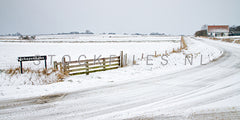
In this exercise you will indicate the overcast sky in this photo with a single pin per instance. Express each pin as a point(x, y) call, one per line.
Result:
point(120, 16)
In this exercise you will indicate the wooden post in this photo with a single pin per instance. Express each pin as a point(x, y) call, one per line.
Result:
point(61, 68)
point(181, 44)
point(125, 57)
point(104, 67)
point(55, 65)
point(155, 53)
point(134, 62)
point(45, 61)
point(64, 66)
point(21, 67)
point(87, 68)
point(121, 57)
point(142, 55)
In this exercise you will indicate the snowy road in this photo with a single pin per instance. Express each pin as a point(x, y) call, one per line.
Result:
point(205, 92)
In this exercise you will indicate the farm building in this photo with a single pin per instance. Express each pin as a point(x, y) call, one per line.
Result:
point(217, 30)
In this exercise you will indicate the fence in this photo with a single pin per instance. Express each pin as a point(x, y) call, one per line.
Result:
point(103, 64)
point(89, 65)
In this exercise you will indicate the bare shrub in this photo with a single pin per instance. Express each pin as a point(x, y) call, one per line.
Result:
point(237, 41)
point(215, 38)
point(12, 71)
point(60, 77)
point(27, 37)
point(176, 51)
point(227, 40)
point(184, 44)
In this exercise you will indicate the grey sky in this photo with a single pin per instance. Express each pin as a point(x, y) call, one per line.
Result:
point(130, 16)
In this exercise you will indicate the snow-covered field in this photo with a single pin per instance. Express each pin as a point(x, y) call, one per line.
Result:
point(74, 50)
point(176, 61)
point(174, 90)
point(93, 38)
point(10, 51)
point(231, 37)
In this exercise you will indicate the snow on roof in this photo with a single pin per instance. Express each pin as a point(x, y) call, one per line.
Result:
point(218, 28)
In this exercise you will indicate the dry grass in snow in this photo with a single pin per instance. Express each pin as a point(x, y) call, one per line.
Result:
point(13, 76)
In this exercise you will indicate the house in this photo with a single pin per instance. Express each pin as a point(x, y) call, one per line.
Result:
point(217, 30)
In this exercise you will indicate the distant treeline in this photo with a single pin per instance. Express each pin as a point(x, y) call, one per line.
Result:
point(201, 33)
point(234, 31)
point(88, 32)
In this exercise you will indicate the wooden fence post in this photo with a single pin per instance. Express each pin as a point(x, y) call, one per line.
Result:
point(61, 67)
point(166, 52)
point(181, 46)
point(55, 65)
point(119, 62)
point(155, 53)
point(125, 57)
point(64, 66)
point(142, 55)
point(104, 65)
point(87, 68)
point(134, 62)
point(121, 57)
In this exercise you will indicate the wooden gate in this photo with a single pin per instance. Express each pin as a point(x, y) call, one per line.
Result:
point(88, 66)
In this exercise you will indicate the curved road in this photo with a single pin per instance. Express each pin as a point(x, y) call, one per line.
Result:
point(162, 97)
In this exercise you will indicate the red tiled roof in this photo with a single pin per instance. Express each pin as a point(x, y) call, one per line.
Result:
point(218, 28)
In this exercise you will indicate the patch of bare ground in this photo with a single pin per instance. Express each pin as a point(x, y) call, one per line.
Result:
point(29, 101)
point(49, 98)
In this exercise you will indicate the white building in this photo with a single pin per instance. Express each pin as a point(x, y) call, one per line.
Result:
point(217, 30)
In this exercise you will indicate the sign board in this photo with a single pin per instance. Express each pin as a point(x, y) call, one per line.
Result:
point(32, 58)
